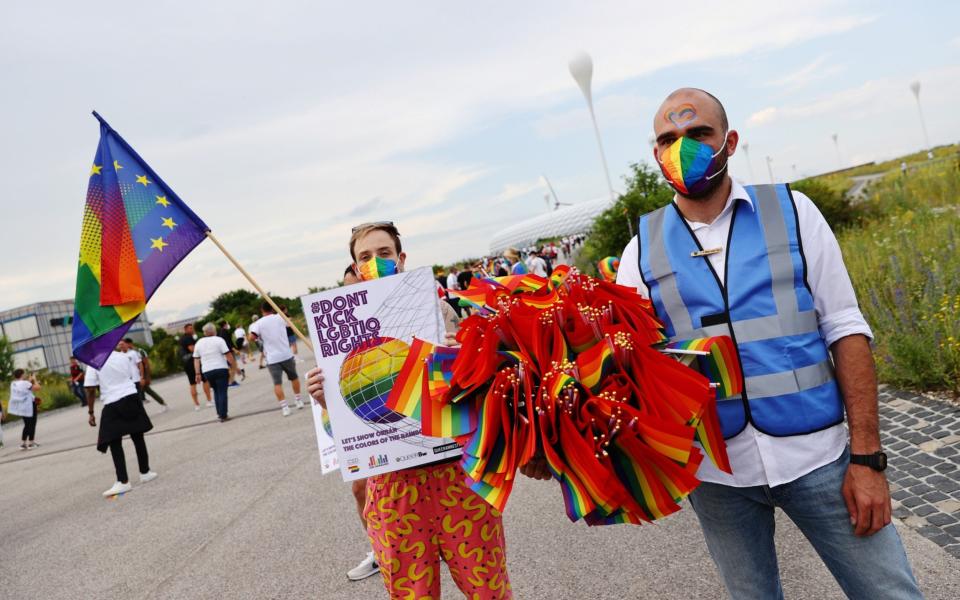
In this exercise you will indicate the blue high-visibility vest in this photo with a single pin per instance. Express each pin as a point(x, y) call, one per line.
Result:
point(765, 305)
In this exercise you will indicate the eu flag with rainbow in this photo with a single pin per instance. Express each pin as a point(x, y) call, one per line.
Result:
point(135, 231)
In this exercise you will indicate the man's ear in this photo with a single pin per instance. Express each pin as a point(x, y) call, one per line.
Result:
point(400, 260)
point(733, 139)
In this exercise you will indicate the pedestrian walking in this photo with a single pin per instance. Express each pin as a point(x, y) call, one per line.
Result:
point(271, 329)
point(122, 414)
point(76, 380)
point(23, 403)
point(187, 341)
point(213, 359)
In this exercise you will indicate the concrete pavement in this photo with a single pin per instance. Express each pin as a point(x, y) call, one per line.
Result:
point(240, 511)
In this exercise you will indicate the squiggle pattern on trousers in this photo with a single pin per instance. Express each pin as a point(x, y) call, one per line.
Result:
point(416, 517)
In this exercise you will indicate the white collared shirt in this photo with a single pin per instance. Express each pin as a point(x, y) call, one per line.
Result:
point(755, 457)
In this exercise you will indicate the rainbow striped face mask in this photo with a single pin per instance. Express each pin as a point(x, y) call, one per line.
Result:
point(691, 167)
point(375, 268)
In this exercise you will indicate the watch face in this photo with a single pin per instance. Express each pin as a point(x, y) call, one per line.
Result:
point(881, 461)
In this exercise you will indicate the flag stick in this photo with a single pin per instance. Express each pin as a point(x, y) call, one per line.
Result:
point(253, 282)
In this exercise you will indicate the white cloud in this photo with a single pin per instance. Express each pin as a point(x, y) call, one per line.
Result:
point(763, 116)
point(820, 68)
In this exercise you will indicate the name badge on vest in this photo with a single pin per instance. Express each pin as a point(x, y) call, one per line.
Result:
point(706, 252)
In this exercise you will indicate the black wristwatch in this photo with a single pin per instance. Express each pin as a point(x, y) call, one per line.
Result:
point(876, 461)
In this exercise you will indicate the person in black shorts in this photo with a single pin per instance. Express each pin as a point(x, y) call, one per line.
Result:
point(187, 340)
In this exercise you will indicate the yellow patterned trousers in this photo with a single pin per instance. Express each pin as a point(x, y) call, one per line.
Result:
point(417, 516)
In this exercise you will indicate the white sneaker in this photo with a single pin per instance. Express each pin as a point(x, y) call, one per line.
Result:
point(286, 411)
point(366, 568)
point(209, 404)
point(118, 488)
point(197, 407)
point(299, 404)
point(148, 476)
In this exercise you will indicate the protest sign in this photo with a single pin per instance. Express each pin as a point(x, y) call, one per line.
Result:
point(361, 335)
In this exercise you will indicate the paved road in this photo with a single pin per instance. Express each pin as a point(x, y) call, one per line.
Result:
point(241, 511)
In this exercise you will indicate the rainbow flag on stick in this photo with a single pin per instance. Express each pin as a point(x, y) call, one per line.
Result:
point(135, 231)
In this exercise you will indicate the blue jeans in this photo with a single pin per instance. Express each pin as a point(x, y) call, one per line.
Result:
point(219, 379)
point(738, 525)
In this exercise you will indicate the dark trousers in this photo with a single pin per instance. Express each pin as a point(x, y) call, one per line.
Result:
point(77, 389)
point(143, 390)
point(120, 461)
point(29, 427)
point(219, 379)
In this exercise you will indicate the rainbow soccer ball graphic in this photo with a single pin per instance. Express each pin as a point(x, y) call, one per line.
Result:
point(366, 377)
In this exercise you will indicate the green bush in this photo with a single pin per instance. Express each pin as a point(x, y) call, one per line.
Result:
point(906, 270)
point(6, 359)
point(165, 357)
point(612, 230)
point(836, 208)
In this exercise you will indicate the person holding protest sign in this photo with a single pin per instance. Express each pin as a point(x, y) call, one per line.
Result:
point(419, 516)
point(272, 329)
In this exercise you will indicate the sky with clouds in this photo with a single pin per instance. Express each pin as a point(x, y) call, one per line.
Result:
point(284, 124)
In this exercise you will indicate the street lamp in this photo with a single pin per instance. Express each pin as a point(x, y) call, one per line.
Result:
point(746, 154)
point(581, 67)
point(770, 169)
point(836, 145)
point(915, 88)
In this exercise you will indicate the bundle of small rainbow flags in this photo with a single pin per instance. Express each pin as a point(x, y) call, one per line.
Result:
point(567, 368)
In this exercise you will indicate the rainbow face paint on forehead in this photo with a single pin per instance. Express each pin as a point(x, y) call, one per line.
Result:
point(376, 267)
point(691, 166)
point(681, 116)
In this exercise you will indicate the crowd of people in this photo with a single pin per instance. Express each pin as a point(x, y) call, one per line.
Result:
point(757, 263)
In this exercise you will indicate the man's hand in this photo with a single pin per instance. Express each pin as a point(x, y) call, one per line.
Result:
point(198, 379)
point(92, 420)
point(450, 339)
point(315, 386)
point(537, 468)
point(867, 496)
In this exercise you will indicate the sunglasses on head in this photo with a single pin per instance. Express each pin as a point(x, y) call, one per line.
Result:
point(372, 224)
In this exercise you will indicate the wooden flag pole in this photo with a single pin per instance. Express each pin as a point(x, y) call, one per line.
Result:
point(253, 282)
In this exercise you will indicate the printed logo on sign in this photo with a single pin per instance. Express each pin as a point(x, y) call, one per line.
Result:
point(353, 468)
point(379, 460)
point(410, 456)
point(353, 461)
point(446, 448)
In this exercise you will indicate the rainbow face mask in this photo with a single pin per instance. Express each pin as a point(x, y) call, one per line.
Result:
point(691, 167)
point(376, 267)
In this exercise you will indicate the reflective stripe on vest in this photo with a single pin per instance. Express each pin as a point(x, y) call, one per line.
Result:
point(766, 308)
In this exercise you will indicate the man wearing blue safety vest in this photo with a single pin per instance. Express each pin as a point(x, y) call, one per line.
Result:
point(760, 264)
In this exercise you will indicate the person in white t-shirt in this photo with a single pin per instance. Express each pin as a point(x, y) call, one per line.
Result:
point(24, 404)
point(242, 348)
point(213, 359)
point(122, 414)
point(271, 331)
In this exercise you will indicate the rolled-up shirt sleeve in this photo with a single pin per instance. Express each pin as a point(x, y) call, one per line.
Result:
point(838, 312)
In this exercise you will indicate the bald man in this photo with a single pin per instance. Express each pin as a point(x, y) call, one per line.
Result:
point(760, 264)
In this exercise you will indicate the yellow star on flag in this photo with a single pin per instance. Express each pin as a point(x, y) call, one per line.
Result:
point(117, 166)
point(143, 179)
point(95, 169)
point(162, 201)
point(158, 244)
point(169, 223)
